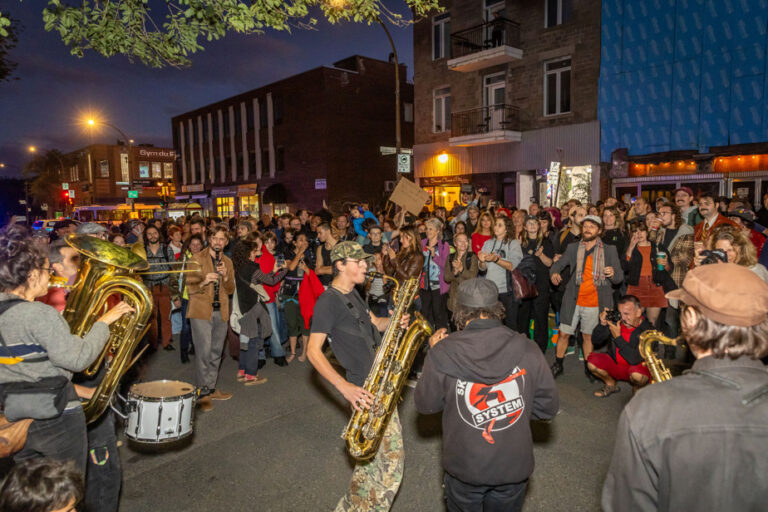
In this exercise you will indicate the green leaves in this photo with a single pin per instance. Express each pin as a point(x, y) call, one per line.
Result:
point(128, 27)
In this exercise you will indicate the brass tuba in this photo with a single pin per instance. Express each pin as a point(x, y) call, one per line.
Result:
point(107, 269)
point(656, 367)
point(388, 374)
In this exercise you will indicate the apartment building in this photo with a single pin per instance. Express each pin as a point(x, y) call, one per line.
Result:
point(308, 140)
point(506, 98)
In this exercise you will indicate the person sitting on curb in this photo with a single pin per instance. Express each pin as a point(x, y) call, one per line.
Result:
point(622, 361)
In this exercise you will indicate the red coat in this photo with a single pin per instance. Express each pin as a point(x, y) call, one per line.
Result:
point(719, 221)
point(310, 290)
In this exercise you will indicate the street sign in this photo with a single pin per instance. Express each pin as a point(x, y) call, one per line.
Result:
point(389, 150)
point(404, 163)
point(65, 186)
point(321, 184)
point(133, 194)
point(71, 194)
point(44, 207)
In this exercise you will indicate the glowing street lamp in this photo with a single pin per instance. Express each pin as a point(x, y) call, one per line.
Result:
point(32, 149)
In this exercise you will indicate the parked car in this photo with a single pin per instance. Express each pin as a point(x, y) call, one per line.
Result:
point(44, 225)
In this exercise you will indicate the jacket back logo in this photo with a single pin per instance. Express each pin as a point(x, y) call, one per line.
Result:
point(491, 407)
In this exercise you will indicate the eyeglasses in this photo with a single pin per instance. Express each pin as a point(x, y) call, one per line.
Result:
point(48, 269)
point(356, 261)
point(665, 213)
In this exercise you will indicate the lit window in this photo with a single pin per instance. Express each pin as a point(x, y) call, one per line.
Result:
point(143, 169)
point(225, 206)
point(168, 170)
point(157, 170)
point(557, 87)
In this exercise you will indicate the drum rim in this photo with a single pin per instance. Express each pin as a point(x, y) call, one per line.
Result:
point(171, 398)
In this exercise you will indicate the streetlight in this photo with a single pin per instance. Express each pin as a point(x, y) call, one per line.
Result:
point(32, 149)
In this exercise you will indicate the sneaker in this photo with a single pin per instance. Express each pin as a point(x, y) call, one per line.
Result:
point(581, 355)
point(220, 395)
point(251, 380)
point(557, 369)
point(240, 375)
point(570, 350)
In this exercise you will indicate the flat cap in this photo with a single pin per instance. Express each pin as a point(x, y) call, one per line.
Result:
point(478, 293)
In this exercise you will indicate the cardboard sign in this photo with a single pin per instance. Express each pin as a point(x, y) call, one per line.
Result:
point(408, 195)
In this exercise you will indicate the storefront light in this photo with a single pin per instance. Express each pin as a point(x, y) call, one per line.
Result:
point(442, 158)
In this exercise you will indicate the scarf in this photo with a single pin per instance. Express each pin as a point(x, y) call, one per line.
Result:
point(598, 263)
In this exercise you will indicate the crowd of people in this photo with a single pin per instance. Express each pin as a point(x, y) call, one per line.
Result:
point(584, 279)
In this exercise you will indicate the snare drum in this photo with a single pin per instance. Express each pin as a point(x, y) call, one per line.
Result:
point(160, 411)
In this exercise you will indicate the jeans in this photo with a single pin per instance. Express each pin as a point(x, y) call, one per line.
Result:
point(176, 321)
point(186, 328)
point(464, 497)
point(249, 358)
point(103, 477)
point(62, 438)
point(275, 342)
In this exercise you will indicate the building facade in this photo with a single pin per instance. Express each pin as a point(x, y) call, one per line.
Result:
point(684, 97)
point(302, 142)
point(503, 90)
point(101, 178)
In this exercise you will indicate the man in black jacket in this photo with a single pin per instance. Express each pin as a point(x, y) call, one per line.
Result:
point(697, 442)
point(622, 361)
point(490, 382)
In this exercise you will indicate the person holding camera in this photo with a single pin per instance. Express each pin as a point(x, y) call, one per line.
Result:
point(620, 330)
point(729, 245)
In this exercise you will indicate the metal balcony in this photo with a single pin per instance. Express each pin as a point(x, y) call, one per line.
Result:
point(488, 44)
point(493, 124)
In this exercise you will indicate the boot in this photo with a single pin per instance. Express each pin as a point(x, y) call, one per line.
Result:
point(184, 357)
point(280, 361)
point(557, 369)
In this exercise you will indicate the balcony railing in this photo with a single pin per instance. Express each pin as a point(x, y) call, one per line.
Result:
point(485, 120)
point(495, 33)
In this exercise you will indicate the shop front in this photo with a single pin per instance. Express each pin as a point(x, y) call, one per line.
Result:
point(740, 176)
point(443, 191)
point(248, 200)
point(225, 200)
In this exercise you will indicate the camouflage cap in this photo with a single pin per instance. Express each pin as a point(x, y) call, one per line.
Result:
point(348, 249)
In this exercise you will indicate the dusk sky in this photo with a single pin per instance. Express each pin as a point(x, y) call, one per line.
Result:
point(55, 90)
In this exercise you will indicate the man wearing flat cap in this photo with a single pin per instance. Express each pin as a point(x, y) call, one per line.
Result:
point(490, 382)
point(342, 317)
point(698, 441)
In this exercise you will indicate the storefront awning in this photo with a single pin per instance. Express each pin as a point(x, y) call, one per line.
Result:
point(275, 194)
point(185, 206)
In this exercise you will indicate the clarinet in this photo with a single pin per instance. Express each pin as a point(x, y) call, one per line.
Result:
point(217, 283)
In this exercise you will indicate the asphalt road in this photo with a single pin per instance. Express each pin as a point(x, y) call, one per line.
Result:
point(276, 447)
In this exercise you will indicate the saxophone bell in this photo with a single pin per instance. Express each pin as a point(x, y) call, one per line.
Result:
point(659, 372)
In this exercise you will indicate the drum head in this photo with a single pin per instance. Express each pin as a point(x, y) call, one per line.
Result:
point(162, 389)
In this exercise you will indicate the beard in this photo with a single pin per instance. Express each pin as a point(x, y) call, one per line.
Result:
point(588, 237)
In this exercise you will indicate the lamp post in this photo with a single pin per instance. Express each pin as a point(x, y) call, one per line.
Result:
point(129, 141)
point(398, 141)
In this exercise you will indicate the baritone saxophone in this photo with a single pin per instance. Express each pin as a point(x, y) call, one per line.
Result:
point(659, 372)
point(388, 374)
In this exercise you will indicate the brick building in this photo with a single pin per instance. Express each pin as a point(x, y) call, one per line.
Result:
point(296, 143)
point(99, 177)
point(502, 90)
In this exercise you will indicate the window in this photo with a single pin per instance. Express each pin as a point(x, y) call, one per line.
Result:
point(240, 168)
point(238, 126)
point(263, 115)
point(226, 122)
point(557, 87)
point(225, 206)
point(408, 112)
point(265, 160)
point(143, 169)
point(441, 36)
point(442, 113)
point(249, 205)
point(280, 158)
point(103, 168)
point(168, 170)
point(249, 115)
point(277, 104)
point(157, 169)
point(205, 128)
point(125, 176)
point(556, 12)
point(252, 161)
point(215, 119)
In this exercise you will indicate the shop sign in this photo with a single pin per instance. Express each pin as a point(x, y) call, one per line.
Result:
point(199, 196)
point(192, 188)
point(157, 154)
point(65, 186)
point(133, 194)
point(247, 190)
point(443, 180)
point(224, 191)
point(321, 184)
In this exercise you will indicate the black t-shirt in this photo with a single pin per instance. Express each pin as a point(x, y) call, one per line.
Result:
point(529, 248)
point(372, 249)
point(334, 317)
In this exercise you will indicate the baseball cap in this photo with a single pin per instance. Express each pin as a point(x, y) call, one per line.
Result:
point(348, 249)
point(725, 292)
point(687, 190)
point(594, 219)
point(90, 228)
point(743, 214)
point(478, 292)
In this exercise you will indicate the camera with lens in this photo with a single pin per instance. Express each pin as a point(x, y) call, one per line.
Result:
point(714, 256)
point(613, 316)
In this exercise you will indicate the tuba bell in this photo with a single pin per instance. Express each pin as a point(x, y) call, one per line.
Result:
point(659, 372)
point(388, 374)
point(107, 269)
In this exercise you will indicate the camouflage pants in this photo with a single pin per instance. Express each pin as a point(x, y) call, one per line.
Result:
point(375, 482)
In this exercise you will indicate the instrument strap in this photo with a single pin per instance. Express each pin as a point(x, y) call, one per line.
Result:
point(361, 324)
point(11, 359)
